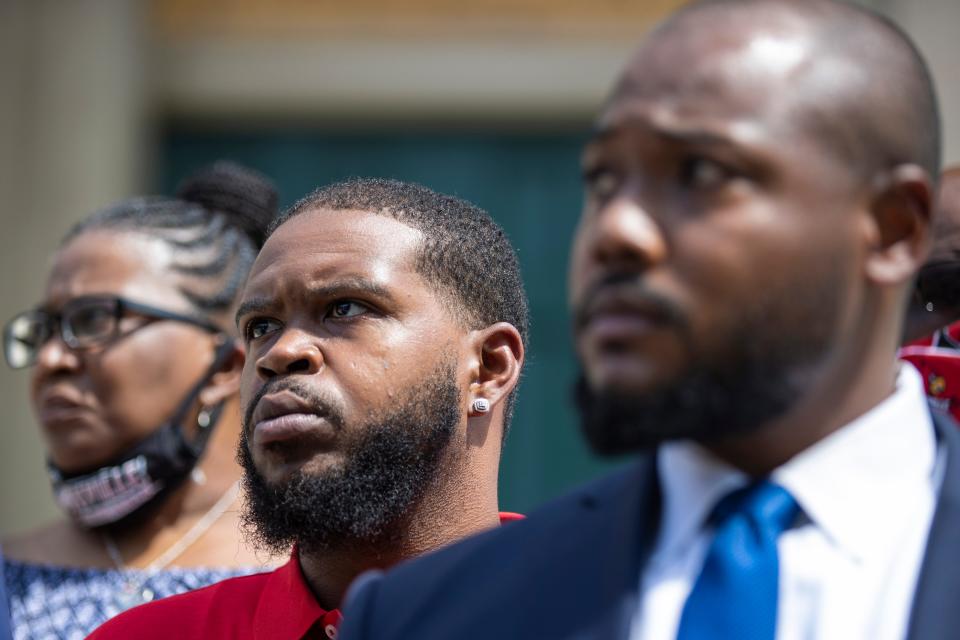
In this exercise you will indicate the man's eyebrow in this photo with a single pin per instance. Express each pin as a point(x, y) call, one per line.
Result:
point(251, 305)
point(343, 287)
point(350, 285)
point(696, 137)
point(599, 133)
point(691, 136)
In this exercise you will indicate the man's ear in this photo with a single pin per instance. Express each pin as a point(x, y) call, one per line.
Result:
point(901, 211)
point(496, 372)
point(226, 381)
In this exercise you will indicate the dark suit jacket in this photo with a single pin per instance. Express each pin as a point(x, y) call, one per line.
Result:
point(572, 570)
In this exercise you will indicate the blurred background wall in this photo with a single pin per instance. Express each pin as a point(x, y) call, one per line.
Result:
point(489, 100)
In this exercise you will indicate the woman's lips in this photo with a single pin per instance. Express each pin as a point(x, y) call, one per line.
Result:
point(59, 408)
point(60, 416)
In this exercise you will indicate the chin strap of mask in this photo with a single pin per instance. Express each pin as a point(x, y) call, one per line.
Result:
point(147, 472)
point(199, 442)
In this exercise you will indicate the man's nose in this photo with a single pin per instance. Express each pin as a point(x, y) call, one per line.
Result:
point(626, 236)
point(294, 352)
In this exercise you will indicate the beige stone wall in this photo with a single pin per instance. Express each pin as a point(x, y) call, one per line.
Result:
point(71, 140)
point(433, 19)
point(935, 25)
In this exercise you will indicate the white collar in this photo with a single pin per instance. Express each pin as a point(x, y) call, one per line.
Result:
point(851, 484)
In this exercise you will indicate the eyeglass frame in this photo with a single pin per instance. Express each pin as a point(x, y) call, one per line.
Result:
point(57, 324)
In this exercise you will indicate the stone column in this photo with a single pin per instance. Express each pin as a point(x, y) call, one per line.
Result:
point(935, 26)
point(72, 139)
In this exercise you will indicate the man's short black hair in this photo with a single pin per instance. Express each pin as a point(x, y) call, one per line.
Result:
point(464, 254)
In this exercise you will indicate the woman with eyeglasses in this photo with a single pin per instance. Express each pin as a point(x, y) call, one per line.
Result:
point(134, 371)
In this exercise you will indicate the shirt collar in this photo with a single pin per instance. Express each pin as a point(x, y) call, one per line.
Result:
point(858, 483)
point(692, 481)
point(852, 484)
point(288, 608)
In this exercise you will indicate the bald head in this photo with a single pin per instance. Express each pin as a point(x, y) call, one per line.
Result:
point(760, 184)
point(849, 77)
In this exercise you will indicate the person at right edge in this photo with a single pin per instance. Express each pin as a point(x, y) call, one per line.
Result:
point(932, 330)
point(5, 632)
point(759, 192)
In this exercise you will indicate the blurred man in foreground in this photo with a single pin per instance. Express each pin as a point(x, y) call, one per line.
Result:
point(384, 325)
point(759, 190)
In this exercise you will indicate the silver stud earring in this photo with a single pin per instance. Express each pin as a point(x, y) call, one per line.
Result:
point(198, 476)
point(203, 418)
point(481, 405)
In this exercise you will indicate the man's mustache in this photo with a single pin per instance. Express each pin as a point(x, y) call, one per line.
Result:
point(632, 287)
point(321, 405)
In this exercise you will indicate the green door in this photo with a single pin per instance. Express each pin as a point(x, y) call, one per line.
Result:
point(528, 182)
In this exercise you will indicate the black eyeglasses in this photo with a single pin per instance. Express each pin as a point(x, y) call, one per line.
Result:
point(83, 323)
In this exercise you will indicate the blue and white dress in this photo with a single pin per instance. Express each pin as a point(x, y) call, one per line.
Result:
point(50, 602)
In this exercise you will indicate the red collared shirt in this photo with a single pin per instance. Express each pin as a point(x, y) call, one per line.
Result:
point(277, 605)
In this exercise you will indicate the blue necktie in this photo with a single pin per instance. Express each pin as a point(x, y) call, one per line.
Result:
point(735, 597)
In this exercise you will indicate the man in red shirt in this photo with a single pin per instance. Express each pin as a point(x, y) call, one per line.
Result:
point(385, 327)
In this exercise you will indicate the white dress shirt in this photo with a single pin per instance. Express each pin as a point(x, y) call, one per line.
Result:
point(848, 570)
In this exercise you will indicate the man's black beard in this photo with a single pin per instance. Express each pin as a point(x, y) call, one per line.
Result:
point(704, 406)
point(770, 363)
point(390, 464)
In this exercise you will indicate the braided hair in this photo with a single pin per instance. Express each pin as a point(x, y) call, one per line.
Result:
point(215, 226)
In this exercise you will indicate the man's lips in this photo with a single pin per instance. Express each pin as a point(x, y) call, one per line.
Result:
point(289, 427)
point(619, 313)
point(285, 416)
point(618, 325)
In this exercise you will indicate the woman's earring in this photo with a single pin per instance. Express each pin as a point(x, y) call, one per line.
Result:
point(481, 405)
point(198, 476)
point(203, 418)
